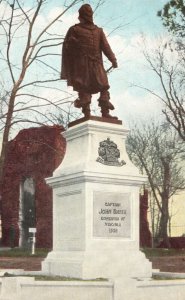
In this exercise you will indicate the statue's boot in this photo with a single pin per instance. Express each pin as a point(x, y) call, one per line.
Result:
point(106, 105)
point(105, 114)
point(84, 102)
point(86, 110)
point(77, 103)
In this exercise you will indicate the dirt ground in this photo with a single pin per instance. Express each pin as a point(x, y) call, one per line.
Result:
point(165, 264)
point(169, 263)
point(26, 263)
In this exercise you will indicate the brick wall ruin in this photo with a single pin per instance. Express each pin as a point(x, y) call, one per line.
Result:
point(34, 153)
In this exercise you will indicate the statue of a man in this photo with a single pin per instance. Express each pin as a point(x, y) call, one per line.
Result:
point(82, 63)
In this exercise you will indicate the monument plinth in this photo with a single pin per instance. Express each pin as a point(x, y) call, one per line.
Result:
point(96, 207)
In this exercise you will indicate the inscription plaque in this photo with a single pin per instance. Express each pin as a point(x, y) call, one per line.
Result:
point(111, 215)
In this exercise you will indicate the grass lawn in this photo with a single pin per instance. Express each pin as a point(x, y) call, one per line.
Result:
point(157, 252)
point(55, 278)
point(149, 252)
point(19, 252)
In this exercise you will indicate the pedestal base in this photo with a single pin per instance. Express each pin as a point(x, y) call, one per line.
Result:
point(96, 207)
point(92, 265)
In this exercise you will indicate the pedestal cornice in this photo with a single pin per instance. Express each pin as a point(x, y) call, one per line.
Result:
point(91, 126)
point(94, 177)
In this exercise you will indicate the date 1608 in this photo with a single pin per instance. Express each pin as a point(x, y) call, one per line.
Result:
point(113, 230)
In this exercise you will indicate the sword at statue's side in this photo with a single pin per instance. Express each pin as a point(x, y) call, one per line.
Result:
point(109, 69)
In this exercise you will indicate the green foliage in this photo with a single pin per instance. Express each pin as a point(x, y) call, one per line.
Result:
point(173, 17)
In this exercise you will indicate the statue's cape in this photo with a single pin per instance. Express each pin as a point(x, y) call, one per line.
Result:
point(82, 64)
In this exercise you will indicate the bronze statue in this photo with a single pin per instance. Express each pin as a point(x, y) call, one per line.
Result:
point(82, 63)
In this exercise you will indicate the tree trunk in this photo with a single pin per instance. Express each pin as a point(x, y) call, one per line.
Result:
point(165, 195)
point(6, 133)
point(163, 226)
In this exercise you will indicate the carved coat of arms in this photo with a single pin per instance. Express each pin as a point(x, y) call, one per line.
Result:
point(109, 153)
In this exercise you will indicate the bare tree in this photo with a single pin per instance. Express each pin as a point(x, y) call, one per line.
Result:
point(168, 63)
point(34, 67)
point(157, 151)
point(173, 18)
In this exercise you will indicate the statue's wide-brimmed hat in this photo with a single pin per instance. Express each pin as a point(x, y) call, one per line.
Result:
point(86, 13)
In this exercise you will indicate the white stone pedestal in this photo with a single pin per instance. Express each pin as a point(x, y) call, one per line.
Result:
point(96, 208)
